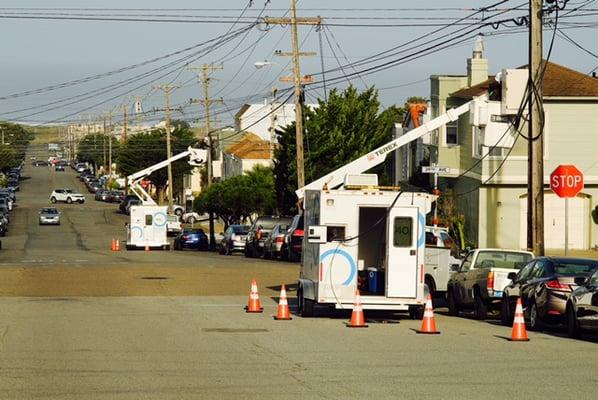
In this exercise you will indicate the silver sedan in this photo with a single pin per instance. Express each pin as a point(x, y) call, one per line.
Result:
point(49, 216)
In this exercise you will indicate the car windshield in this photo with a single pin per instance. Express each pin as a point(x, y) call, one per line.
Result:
point(49, 211)
point(502, 259)
point(241, 230)
point(575, 267)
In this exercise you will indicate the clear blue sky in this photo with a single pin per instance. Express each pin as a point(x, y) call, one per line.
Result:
point(38, 53)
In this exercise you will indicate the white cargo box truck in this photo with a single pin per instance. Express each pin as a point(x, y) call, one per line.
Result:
point(147, 227)
point(362, 236)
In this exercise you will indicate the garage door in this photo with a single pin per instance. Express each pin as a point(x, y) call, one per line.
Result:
point(554, 222)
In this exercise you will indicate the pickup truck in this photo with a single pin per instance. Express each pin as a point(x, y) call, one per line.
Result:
point(439, 262)
point(481, 279)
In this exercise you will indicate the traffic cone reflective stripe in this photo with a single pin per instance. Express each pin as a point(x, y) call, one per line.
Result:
point(428, 322)
point(117, 247)
point(283, 306)
point(357, 317)
point(113, 245)
point(254, 305)
point(519, 333)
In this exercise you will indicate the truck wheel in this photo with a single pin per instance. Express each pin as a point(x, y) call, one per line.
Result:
point(305, 306)
point(416, 312)
point(429, 281)
point(480, 308)
point(453, 310)
point(505, 318)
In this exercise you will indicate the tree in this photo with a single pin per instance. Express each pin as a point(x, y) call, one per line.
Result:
point(8, 157)
point(237, 199)
point(17, 137)
point(336, 132)
point(146, 149)
point(91, 149)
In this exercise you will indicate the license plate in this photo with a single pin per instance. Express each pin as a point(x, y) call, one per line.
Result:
point(497, 293)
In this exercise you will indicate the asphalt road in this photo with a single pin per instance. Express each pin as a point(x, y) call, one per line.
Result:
point(78, 321)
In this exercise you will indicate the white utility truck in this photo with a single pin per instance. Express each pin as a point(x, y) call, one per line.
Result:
point(356, 231)
point(148, 223)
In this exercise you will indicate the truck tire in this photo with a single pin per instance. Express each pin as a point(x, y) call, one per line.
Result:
point(416, 312)
point(453, 309)
point(305, 306)
point(431, 286)
point(480, 308)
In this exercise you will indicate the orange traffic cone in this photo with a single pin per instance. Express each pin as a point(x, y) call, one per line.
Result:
point(254, 305)
point(283, 306)
point(519, 333)
point(147, 248)
point(113, 245)
point(357, 318)
point(117, 246)
point(428, 323)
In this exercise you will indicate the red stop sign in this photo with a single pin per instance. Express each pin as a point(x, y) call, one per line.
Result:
point(566, 181)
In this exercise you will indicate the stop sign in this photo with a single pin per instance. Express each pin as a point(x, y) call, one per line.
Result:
point(566, 181)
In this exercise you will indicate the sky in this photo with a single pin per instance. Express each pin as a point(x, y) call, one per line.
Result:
point(38, 53)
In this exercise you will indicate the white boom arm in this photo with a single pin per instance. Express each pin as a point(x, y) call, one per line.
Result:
point(196, 157)
point(377, 156)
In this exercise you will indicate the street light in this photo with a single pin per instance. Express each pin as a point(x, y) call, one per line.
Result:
point(261, 64)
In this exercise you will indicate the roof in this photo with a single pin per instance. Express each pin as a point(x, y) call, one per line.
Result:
point(559, 81)
point(250, 147)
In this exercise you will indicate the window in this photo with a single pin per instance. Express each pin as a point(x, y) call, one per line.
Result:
point(451, 133)
point(525, 271)
point(335, 233)
point(148, 220)
point(539, 269)
point(466, 266)
point(403, 232)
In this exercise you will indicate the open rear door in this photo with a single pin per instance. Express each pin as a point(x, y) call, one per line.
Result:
point(401, 257)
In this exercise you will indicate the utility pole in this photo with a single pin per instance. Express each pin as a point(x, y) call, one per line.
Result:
point(124, 139)
point(535, 198)
point(104, 144)
point(204, 75)
point(273, 120)
point(167, 89)
point(297, 79)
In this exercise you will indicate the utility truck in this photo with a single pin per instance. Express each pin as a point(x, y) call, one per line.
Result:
point(359, 235)
point(148, 226)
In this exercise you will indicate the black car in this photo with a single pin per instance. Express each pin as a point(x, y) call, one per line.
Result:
point(582, 306)
point(122, 207)
point(259, 232)
point(544, 286)
point(293, 241)
point(191, 239)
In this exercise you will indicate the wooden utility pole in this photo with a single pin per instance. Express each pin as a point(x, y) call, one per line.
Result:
point(167, 89)
point(124, 140)
point(204, 76)
point(110, 145)
point(535, 198)
point(104, 145)
point(297, 80)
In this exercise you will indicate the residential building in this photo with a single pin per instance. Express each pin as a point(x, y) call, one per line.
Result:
point(243, 156)
point(489, 183)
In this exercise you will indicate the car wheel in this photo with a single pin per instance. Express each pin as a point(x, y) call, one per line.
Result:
point(267, 255)
point(534, 318)
point(81, 201)
point(453, 310)
point(69, 200)
point(505, 318)
point(480, 308)
point(573, 329)
point(53, 199)
point(305, 306)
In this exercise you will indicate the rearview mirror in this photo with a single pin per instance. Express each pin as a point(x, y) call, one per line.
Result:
point(580, 280)
point(512, 275)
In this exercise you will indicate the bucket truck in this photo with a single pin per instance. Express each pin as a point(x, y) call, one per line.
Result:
point(359, 235)
point(148, 223)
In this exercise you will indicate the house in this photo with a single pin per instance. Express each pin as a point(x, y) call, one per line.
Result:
point(241, 157)
point(491, 191)
point(263, 119)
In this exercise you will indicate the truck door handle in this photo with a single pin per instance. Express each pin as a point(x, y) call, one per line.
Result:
point(412, 252)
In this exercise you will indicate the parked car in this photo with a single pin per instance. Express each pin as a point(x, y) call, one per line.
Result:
point(131, 203)
point(115, 196)
point(440, 260)
point(59, 167)
point(293, 240)
point(582, 306)
point(13, 183)
point(192, 217)
point(3, 226)
point(10, 193)
point(122, 207)
point(259, 232)
point(102, 195)
point(481, 279)
point(173, 225)
point(233, 239)
point(49, 216)
point(191, 239)
point(544, 286)
point(67, 196)
point(6, 200)
point(273, 244)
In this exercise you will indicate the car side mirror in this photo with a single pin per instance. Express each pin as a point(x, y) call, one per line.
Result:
point(512, 276)
point(454, 267)
point(580, 280)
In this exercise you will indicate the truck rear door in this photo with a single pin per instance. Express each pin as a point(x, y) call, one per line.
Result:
point(402, 232)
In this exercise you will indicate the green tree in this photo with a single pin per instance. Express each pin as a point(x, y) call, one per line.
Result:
point(17, 137)
point(238, 198)
point(91, 149)
point(8, 157)
point(336, 132)
point(146, 149)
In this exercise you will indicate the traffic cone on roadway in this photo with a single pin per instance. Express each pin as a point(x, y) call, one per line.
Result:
point(254, 305)
point(357, 318)
point(113, 245)
point(117, 245)
point(428, 323)
point(283, 306)
point(147, 248)
point(519, 333)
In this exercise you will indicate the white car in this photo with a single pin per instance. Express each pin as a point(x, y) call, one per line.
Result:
point(66, 195)
point(173, 225)
point(192, 217)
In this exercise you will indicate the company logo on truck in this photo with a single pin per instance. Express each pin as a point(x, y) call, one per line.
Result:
point(340, 253)
point(386, 149)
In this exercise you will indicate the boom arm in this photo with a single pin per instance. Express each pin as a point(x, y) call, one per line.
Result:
point(377, 156)
point(197, 157)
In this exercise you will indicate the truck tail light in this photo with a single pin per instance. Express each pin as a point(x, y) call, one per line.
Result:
point(490, 285)
point(298, 232)
point(556, 285)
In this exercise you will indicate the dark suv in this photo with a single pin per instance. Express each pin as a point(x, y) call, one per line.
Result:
point(122, 207)
point(260, 230)
point(293, 240)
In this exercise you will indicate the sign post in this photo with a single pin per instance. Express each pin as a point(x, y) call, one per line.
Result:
point(435, 170)
point(566, 181)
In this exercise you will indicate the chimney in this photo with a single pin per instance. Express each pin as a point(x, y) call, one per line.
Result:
point(477, 65)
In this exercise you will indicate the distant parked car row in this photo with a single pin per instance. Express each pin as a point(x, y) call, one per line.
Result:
point(8, 197)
